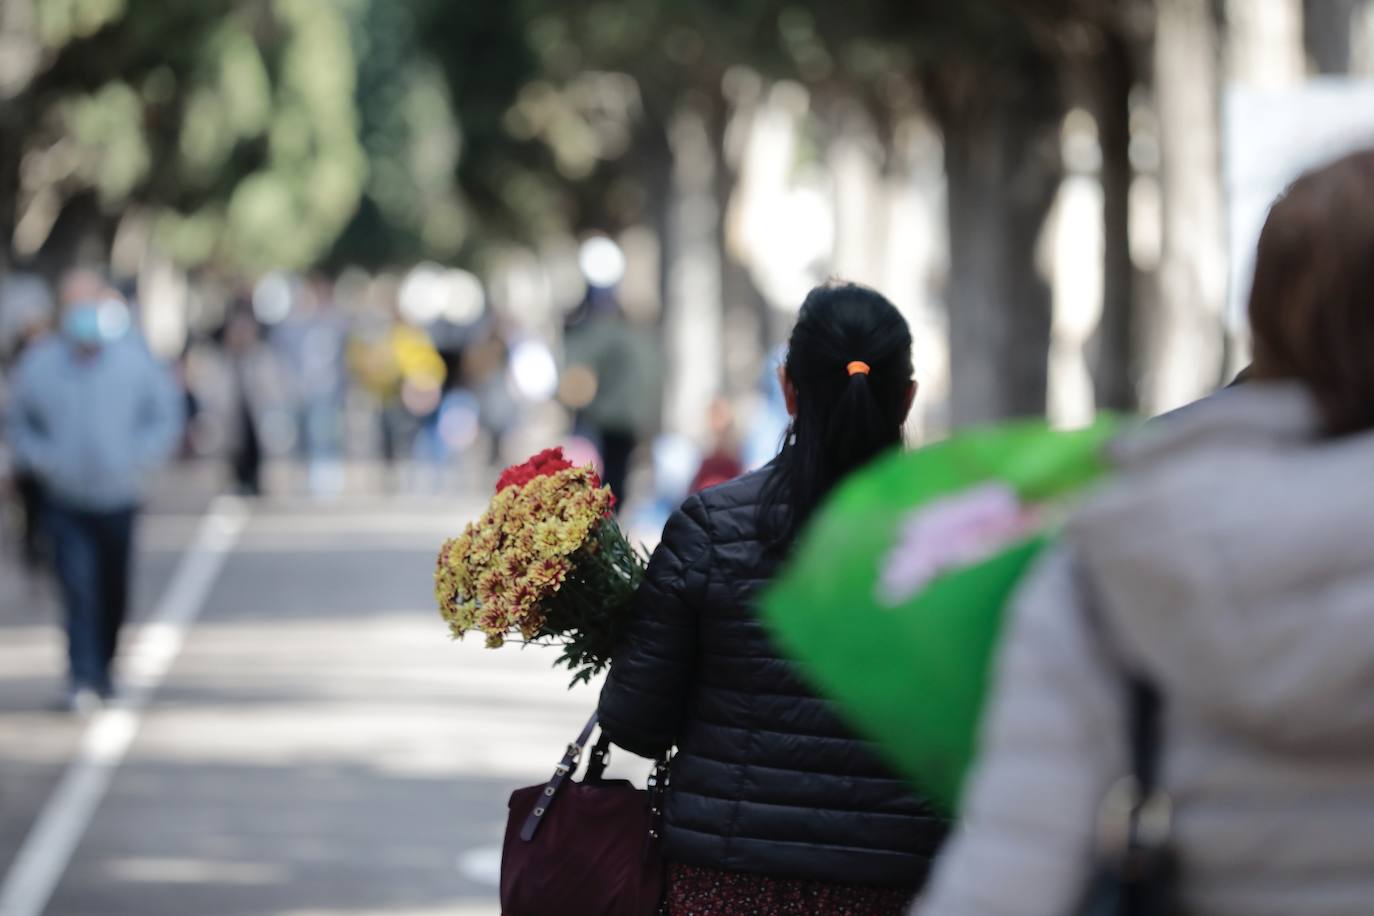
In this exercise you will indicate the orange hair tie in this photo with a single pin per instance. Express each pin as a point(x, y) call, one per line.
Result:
point(859, 367)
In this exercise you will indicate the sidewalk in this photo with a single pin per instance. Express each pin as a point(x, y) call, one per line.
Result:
point(36, 737)
point(319, 747)
point(36, 740)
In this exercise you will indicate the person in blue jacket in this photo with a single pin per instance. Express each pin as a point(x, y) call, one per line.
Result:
point(91, 414)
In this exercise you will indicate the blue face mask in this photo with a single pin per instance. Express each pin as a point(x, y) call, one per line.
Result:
point(82, 326)
point(93, 324)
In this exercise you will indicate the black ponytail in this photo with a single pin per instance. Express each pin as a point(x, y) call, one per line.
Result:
point(849, 359)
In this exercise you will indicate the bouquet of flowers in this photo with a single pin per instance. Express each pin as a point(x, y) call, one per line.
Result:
point(545, 562)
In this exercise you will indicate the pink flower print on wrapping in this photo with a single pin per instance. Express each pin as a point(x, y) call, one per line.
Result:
point(951, 533)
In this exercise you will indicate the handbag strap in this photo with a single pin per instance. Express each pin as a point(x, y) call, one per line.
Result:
point(658, 794)
point(599, 759)
point(1136, 817)
point(561, 774)
point(1136, 812)
point(1150, 813)
point(1144, 734)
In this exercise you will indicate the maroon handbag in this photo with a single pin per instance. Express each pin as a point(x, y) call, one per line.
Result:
point(586, 848)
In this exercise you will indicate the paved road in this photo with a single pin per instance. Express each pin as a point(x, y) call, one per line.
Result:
point(317, 746)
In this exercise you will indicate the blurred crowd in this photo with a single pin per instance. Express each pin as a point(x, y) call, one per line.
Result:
point(305, 385)
point(291, 373)
point(286, 373)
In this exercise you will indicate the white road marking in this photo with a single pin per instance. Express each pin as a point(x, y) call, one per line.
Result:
point(48, 848)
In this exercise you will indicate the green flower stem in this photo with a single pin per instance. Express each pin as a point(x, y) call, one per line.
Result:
point(589, 613)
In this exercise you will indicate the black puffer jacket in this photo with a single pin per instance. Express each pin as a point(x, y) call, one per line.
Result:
point(766, 778)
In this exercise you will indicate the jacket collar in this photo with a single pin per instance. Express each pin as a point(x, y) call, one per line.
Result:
point(1272, 412)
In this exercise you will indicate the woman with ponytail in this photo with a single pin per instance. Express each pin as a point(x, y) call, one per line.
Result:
point(773, 806)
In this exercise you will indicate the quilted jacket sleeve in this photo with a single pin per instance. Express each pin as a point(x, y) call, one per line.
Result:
point(645, 694)
point(1053, 741)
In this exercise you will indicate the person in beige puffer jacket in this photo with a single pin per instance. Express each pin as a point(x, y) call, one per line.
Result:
point(1231, 564)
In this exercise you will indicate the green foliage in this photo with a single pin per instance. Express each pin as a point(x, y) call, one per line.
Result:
point(485, 57)
point(60, 21)
point(232, 122)
point(589, 614)
point(227, 100)
point(277, 133)
point(289, 210)
point(112, 155)
point(409, 132)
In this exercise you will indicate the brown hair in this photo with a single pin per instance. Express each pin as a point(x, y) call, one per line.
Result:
point(1312, 301)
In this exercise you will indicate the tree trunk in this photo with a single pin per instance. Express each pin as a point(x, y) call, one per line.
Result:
point(1115, 366)
point(1264, 42)
point(9, 200)
point(1003, 165)
point(693, 320)
point(11, 151)
point(656, 176)
point(82, 235)
point(23, 58)
point(1186, 343)
point(745, 309)
point(1327, 25)
point(854, 157)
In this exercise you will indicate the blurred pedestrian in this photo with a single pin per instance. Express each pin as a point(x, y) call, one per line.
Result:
point(774, 805)
point(617, 361)
point(91, 414)
point(487, 370)
point(242, 338)
point(768, 421)
point(397, 363)
point(1216, 605)
point(26, 316)
point(722, 463)
point(313, 346)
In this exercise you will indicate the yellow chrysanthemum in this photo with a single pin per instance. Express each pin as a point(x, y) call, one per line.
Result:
point(547, 576)
point(497, 575)
point(462, 619)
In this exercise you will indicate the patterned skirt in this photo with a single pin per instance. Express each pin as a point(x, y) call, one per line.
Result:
point(694, 891)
